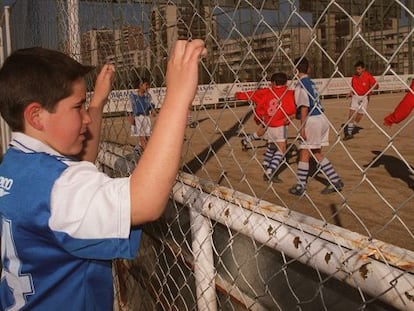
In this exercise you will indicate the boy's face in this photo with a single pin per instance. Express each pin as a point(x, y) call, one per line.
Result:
point(144, 86)
point(359, 70)
point(65, 129)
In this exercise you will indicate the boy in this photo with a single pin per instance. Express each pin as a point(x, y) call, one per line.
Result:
point(314, 132)
point(63, 221)
point(403, 109)
point(274, 106)
point(142, 108)
point(362, 84)
point(253, 96)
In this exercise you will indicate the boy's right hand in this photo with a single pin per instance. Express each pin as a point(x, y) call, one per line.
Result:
point(182, 70)
point(103, 85)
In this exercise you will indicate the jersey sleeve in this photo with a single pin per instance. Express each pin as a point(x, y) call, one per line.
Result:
point(301, 97)
point(403, 109)
point(260, 112)
point(242, 95)
point(151, 102)
point(255, 96)
point(289, 105)
point(91, 214)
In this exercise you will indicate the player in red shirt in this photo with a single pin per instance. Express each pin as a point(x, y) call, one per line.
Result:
point(362, 85)
point(403, 109)
point(274, 106)
point(253, 96)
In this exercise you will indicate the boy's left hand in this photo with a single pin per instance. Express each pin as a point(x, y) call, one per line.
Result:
point(103, 85)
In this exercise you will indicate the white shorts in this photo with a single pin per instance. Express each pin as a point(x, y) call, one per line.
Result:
point(276, 134)
point(359, 104)
point(142, 126)
point(317, 132)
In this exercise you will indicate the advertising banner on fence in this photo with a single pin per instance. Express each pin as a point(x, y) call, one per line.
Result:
point(212, 94)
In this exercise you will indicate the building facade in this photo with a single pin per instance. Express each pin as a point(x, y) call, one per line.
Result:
point(124, 47)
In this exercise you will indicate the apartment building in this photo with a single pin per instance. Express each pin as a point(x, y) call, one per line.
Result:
point(125, 47)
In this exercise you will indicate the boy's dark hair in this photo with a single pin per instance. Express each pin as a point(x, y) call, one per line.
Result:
point(279, 78)
point(302, 64)
point(36, 75)
point(142, 80)
point(359, 63)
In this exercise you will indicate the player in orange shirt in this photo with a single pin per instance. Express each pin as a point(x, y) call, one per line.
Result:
point(274, 106)
point(362, 85)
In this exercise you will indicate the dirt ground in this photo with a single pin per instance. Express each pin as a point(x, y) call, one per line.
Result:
point(378, 197)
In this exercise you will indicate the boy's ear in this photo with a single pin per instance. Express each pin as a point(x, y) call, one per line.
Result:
point(33, 115)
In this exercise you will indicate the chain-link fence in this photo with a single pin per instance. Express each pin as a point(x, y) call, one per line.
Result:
point(232, 238)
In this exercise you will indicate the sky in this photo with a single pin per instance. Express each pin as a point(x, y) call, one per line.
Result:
point(7, 2)
point(98, 15)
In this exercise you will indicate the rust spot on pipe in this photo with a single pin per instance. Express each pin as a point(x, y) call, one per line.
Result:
point(409, 296)
point(406, 266)
point(363, 270)
point(297, 241)
point(328, 257)
point(270, 230)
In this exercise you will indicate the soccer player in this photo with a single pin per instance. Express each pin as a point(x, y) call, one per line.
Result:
point(142, 109)
point(253, 96)
point(62, 220)
point(362, 85)
point(403, 109)
point(274, 107)
point(314, 132)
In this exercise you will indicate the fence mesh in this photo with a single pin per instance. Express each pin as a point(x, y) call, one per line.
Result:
point(230, 239)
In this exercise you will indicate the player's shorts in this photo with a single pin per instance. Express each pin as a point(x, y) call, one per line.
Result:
point(359, 103)
point(142, 125)
point(276, 134)
point(317, 132)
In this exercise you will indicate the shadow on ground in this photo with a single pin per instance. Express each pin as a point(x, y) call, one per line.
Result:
point(395, 167)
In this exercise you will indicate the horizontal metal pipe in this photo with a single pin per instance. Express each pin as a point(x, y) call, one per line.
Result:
point(367, 265)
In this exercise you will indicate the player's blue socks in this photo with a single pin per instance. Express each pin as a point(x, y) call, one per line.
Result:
point(302, 173)
point(252, 137)
point(329, 170)
point(276, 160)
point(302, 176)
point(268, 156)
point(350, 128)
point(273, 166)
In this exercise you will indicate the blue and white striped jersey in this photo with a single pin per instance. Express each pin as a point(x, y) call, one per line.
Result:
point(62, 221)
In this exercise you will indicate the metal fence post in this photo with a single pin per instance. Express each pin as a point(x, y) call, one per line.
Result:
point(204, 271)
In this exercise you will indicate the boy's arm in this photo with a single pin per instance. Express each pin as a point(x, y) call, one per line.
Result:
point(288, 104)
point(133, 105)
point(259, 112)
point(103, 87)
point(254, 96)
point(152, 110)
point(153, 178)
point(302, 100)
point(374, 83)
point(303, 116)
point(351, 92)
point(243, 95)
